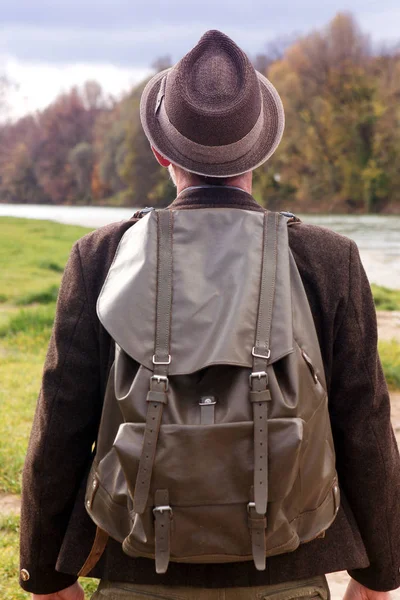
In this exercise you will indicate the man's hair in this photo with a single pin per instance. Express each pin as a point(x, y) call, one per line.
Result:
point(204, 178)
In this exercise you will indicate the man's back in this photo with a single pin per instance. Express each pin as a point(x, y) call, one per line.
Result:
point(343, 311)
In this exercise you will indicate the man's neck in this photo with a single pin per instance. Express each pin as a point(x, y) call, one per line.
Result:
point(242, 182)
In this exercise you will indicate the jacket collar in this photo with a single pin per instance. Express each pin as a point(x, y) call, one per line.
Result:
point(215, 196)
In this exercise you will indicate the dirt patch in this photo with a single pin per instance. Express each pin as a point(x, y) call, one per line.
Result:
point(10, 504)
point(395, 414)
point(388, 325)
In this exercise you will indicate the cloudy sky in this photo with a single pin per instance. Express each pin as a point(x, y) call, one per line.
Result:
point(46, 46)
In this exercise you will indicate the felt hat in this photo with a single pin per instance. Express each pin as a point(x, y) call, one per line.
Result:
point(212, 113)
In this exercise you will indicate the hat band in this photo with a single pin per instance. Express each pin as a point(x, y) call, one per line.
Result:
point(209, 154)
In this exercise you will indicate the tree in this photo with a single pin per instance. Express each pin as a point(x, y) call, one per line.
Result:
point(81, 161)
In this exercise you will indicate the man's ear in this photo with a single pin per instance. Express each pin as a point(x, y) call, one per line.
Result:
point(164, 162)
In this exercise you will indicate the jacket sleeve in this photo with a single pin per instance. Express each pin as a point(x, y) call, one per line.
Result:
point(63, 432)
point(368, 461)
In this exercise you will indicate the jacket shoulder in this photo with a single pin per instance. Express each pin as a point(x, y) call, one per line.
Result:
point(101, 239)
point(323, 258)
point(304, 237)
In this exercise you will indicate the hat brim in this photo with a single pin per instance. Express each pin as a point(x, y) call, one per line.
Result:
point(263, 148)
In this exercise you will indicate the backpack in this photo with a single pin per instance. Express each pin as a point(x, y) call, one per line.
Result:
point(215, 442)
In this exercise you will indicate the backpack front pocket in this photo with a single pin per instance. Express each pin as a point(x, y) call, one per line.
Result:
point(209, 465)
point(208, 472)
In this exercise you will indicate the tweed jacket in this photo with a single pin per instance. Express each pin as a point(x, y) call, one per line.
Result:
point(56, 532)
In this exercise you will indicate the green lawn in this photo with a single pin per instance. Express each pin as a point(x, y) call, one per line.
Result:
point(32, 257)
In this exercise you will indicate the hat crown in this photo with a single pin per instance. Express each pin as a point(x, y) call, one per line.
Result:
point(208, 90)
point(212, 113)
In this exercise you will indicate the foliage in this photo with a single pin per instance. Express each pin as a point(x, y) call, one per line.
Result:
point(339, 152)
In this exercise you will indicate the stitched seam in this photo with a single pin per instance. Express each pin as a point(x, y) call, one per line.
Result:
point(366, 370)
point(273, 284)
point(85, 289)
point(386, 518)
point(261, 285)
point(50, 422)
point(348, 287)
point(171, 274)
point(369, 379)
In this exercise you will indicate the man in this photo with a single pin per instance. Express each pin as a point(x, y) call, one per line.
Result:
point(211, 120)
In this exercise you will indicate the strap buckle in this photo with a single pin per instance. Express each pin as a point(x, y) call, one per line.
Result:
point(258, 375)
point(264, 356)
point(162, 509)
point(251, 506)
point(160, 378)
point(161, 362)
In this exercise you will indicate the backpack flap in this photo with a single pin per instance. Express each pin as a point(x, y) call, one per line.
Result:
point(216, 271)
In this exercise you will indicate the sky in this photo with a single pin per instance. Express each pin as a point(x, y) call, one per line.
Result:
point(47, 46)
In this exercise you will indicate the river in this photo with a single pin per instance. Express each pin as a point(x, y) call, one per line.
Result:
point(377, 236)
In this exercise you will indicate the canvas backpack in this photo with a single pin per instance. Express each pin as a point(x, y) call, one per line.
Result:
point(215, 442)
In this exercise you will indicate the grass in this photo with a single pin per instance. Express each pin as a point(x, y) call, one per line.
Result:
point(32, 259)
point(32, 255)
point(389, 353)
point(385, 298)
point(29, 283)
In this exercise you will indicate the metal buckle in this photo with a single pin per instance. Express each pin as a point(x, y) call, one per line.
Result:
point(162, 378)
point(257, 375)
point(162, 509)
point(251, 505)
point(155, 362)
point(265, 357)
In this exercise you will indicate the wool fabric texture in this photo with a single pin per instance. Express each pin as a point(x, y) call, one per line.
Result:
point(56, 532)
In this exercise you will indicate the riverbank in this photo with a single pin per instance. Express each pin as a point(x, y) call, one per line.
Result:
point(377, 236)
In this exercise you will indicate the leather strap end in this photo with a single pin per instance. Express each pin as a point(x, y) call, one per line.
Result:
point(99, 545)
point(162, 530)
point(153, 396)
point(261, 396)
point(257, 524)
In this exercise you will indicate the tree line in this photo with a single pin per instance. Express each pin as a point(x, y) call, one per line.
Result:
point(340, 150)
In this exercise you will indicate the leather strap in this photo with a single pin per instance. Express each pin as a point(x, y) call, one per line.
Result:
point(259, 392)
point(257, 525)
point(267, 291)
point(164, 291)
point(147, 457)
point(157, 396)
point(162, 530)
point(99, 545)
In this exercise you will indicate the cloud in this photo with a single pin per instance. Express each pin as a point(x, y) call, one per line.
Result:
point(39, 83)
point(135, 32)
point(50, 45)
